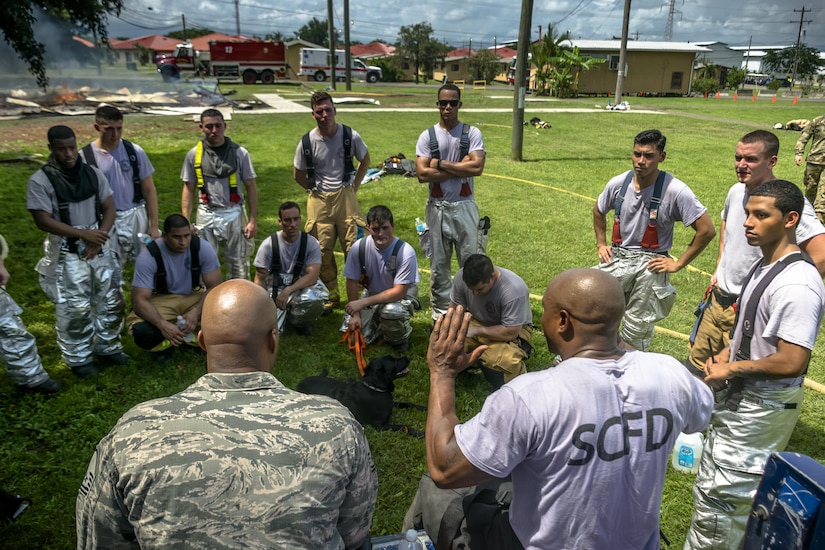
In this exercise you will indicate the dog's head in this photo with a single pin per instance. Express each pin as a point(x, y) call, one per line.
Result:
point(381, 371)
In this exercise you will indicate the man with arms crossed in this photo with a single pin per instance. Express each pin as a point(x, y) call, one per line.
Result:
point(296, 288)
point(236, 460)
point(323, 167)
point(814, 131)
point(756, 156)
point(448, 156)
point(499, 302)
point(647, 203)
point(136, 199)
point(213, 171)
point(760, 374)
point(601, 424)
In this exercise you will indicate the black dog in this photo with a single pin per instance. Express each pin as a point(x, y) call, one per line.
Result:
point(370, 399)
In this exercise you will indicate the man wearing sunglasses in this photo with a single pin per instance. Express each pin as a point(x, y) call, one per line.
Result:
point(448, 156)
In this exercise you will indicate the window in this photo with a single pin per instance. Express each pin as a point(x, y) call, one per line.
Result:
point(454, 67)
point(676, 81)
point(613, 62)
point(405, 65)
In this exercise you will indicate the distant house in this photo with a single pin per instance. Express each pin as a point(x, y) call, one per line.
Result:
point(455, 65)
point(128, 51)
point(652, 68)
point(373, 50)
point(754, 57)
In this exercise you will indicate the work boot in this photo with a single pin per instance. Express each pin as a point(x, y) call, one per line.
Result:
point(46, 387)
point(118, 358)
point(85, 370)
point(332, 302)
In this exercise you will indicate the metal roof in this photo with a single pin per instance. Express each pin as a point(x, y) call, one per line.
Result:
point(639, 46)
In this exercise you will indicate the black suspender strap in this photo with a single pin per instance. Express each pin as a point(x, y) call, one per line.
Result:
point(306, 146)
point(349, 166)
point(195, 261)
point(434, 149)
point(362, 257)
point(160, 273)
point(275, 262)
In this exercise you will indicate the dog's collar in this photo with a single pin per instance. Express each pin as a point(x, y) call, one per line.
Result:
point(373, 388)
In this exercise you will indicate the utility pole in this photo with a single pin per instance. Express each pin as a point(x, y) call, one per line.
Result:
point(798, 43)
point(622, 52)
point(237, 18)
point(331, 29)
point(183, 21)
point(347, 53)
point(748, 55)
point(519, 85)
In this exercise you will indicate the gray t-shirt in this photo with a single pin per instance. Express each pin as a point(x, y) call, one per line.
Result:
point(117, 168)
point(378, 262)
point(218, 188)
point(791, 308)
point(328, 158)
point(40, 195)
point(678, 204)
point(449, 145)
point(587, 443)
point(288, 253)
point(507, 303)
point(737, 255)
point(178, 267)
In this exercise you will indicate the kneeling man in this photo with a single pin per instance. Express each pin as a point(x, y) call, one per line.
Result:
point(499, 302)
point(287, 265)
point(172, 276)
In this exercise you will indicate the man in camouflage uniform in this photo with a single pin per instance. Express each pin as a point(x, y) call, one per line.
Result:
point(814, 132)
point(236, 460)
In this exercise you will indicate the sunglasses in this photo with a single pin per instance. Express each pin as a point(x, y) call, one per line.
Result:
point(450, 102)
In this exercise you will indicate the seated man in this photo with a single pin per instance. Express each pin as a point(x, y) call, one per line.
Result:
point(287, 265)
point(499, 302)
point(387, 268)
point(237, 460)
point(169, 287)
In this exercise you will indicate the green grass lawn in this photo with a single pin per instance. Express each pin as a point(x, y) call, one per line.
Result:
point(541, 224)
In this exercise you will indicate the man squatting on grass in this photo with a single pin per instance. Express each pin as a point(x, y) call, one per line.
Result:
point(332, 182)
point(452, 212)
point(587, 442)
point(295, 287)
point(72, 202)
point(213, 171)
point(167, 283)
point(136, 199)
point(647, 202)
point(755, 157)
point(759, 376)
point(499, 302)
point(236, 460)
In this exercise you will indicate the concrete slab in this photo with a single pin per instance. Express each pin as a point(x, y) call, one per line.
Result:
point(280, 105)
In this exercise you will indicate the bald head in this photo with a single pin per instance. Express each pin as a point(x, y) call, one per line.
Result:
point(239, 328)
point(582, 307)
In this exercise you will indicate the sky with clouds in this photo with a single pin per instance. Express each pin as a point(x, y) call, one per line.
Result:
point(485, 22)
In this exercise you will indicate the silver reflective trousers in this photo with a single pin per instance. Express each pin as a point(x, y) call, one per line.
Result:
point(223, 229)
point(18, 349)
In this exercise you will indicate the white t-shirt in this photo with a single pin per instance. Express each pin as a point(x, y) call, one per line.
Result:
point(791, 308)
point(449, 144)
point(678, 204)
point(378, 265)
point(737, 255)
point(507, 303)
point(117, 168)
point(587, 444)
point(288, 253)
point(328, 158)
point(178, 267)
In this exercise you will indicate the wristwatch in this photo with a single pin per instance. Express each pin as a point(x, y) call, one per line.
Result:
point(439, 164)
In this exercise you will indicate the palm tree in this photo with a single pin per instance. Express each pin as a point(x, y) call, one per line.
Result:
point(546, 52)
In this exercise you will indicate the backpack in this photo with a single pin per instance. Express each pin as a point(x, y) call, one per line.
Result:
point(398, 164)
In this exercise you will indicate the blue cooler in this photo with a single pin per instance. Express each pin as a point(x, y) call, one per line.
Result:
point(789, 507)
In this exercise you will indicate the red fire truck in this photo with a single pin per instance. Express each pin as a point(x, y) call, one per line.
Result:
point(249, 61)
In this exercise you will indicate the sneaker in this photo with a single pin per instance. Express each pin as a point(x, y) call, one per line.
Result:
point(47, 387)
point(118, 358)
point(163, 346)
point(86, 370)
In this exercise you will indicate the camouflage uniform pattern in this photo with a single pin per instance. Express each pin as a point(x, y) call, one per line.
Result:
point(233, 461)
point(814, 132)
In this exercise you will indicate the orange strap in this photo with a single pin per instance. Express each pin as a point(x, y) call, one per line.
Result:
point(355, 341)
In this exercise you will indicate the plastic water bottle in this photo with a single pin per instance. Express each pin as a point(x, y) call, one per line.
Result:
point(420, 226)
point(145, 238)
point(687, 453)
point(424, 237)
point(181, 324)
point(411, 541)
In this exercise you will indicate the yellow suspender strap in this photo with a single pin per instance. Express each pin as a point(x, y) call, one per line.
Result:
point(233, 178)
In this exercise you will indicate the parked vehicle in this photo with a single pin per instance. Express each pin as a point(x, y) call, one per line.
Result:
point(250, 61)
point(314, 65)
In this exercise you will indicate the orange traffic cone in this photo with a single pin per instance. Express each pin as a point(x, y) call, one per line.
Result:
point(773, 100)
point(795, 100)
point(753, 98)
point(735, 96)
point(718, 95)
